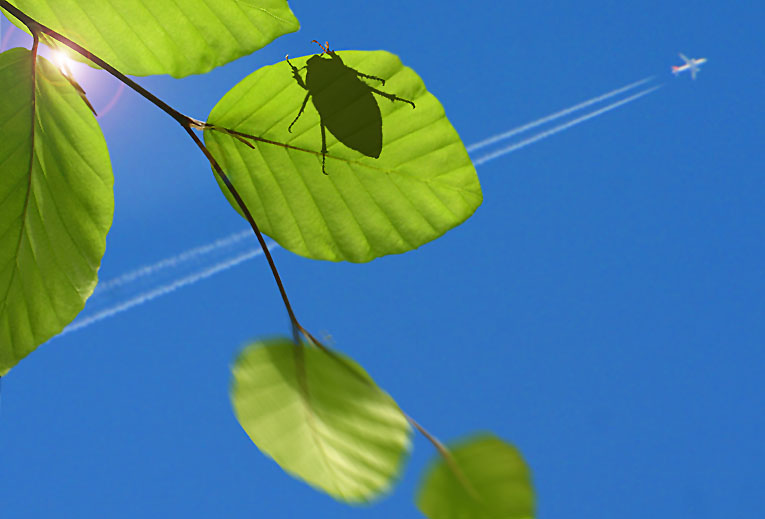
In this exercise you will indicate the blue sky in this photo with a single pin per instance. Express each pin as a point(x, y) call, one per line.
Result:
point(602, 310)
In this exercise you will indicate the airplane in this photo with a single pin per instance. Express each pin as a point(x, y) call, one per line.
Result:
point(694, 65)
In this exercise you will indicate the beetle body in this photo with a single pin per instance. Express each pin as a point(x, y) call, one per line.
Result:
point(345, 103)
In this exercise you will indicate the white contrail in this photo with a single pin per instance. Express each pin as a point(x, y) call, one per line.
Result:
point(556, 115)
point(199, 252)
point(174, 261)
point(543, 135)
point(162, 290)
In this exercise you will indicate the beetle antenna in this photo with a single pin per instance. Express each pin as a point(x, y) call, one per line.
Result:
point(324, 47)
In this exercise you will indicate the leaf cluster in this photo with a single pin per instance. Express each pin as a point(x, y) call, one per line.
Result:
point(290, 169)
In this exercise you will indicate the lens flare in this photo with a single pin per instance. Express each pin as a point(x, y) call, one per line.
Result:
point(63, 62)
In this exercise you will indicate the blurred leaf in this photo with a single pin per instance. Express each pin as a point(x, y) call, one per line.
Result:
point(145, 37)
point(422, 185)
point(491, 482)
point(56, 204)
point(321, 418)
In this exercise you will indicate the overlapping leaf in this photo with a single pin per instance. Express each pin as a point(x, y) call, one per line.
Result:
point(487, 479)
point(320, 417)
point(56, 203)
point(144, 37)
point(422, 184)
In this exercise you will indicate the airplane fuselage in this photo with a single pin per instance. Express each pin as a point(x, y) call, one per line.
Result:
point(690, 64)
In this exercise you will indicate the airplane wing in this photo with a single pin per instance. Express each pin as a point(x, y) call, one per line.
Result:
point(694, 71)
point(685, 58)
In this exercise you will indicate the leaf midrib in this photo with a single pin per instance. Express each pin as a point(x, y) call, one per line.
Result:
point(301, 375)
point(4, 302)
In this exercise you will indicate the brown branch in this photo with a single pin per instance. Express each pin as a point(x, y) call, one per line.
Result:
point(36, 27)
point(230, 186)
point(188, 124)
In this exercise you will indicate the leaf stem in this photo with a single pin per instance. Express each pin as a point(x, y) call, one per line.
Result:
point(240, 202)
point(447, 455)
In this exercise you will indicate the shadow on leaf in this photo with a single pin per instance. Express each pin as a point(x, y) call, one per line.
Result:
point(344, 101)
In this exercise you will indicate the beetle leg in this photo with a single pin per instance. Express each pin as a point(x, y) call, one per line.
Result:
point(296, 73)
point(392, 97)
point(305, 101)
point(323, 147)
point(361, 74)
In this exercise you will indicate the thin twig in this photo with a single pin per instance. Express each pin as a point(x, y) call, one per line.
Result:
point(36, 27)
point(188, 123)
point(250, 219)
point(447, 455)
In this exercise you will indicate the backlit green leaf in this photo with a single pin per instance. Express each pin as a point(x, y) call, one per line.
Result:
point(320, 417)
point(422, 184)
point(56, 204)
point(144, 37)
point(487, 480)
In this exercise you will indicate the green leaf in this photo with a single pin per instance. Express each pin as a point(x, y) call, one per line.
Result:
point(145, 37)
point(422, 185)
point(320, 417)
point(56, 203)
point(486, 478)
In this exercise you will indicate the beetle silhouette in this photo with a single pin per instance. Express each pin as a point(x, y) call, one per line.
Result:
point(344, 102)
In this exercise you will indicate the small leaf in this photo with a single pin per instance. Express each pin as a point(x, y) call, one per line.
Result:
point(320, 417)
point(56, 203)
point(486, 478)
point(422, 184)
point(144, 37)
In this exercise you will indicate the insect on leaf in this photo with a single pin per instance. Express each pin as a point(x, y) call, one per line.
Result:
point(422, 184)
point(56, 203)
point(345, 103)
